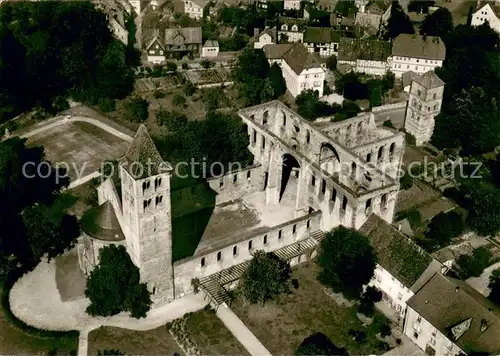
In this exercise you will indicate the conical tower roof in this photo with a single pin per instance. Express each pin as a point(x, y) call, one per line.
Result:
point(142, 158)
point(101, 223)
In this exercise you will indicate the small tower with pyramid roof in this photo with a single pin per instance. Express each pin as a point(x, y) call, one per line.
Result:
point(146, 209)
point(424, 104)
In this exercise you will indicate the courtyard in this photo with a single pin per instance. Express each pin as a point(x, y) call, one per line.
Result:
point(80, 145)
point(282, 325)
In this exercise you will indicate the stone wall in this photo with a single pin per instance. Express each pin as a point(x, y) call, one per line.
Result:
point(270, 239)
point(237, 184)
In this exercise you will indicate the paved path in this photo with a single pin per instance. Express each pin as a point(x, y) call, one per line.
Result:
point(83, 343)
point(241, 332)
point(84, 180)
point(65, 119)
point(35, 300)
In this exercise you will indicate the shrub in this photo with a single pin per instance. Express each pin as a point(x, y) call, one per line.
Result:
point(158, 94)
point(445, 226)
point(172, 120)
point(178, 100)
point(385, 330)
point(413, 216)
point(410, 139)
point(207, 64)
point(60, 103)
point(388, 123)
point(189, 88)
point(331, 62)
point(473, 266)
point(357, 335)
point(185, 65)
point(171, 66)
point(137, 110)
point(406, 181)
point(107, 104)
point(326, 88)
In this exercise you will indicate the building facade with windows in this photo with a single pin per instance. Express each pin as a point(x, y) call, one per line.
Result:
point(291, 29)
point(210, 49)
point(322, 40)
point(402, 267)
point(301, 69)
point(194, 8)
point(365, 56)
point(448, 317)
point(416, 53)
point(173, 43)
point(487, 12)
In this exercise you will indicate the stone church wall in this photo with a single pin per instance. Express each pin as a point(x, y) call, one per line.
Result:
point(237, 184)
point(268, 240)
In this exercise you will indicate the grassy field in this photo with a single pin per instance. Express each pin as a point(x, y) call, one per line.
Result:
point(207, 331)
point(151, 342)
point(80, 146)
point(282, 326)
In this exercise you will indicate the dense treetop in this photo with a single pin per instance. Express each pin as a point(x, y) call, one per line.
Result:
point(48, 48)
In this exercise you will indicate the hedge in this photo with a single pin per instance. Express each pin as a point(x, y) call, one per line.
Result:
point(9, 282)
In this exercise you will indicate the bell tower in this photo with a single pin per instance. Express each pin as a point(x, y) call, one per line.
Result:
point(145, 180)
point(424, 104)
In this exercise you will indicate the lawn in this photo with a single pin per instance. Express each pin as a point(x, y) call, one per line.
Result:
point(281, 326)
point(79, 146)
point(151, 342)
point(208, 332)
point(14, 341)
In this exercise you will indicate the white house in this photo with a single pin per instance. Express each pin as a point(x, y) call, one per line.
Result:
point(365, 56)
point(322, 40)
point(291, 5)
point(301, 70)
point(268, 36)
point(381, 7)
point(291, 29)
point(194, 8)
point(416, 53)
point(210, 49)
point(402, 266)
point(487, 12)
point(448, 317)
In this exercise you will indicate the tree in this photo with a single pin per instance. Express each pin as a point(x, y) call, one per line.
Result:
point(443, 227)
point(398, 22)
point(189, 88)
point(174, 121)
point(406, 181)
point(375, 97)
point(114, 285)
point(331, 62)
point(439, 23)
point(278, 82)
point(171, 66)
point(351, 87)
point(137, 109)
point(470, 121)
point(26, 180)
point(310, 107)
point(473, 265)
point(484, 213)
point(494, 286)
point(49, 230)
point(368, 299)
point(267, 93)
point(207, 64)
point(347, 261)
point(266, 277)
point(420, 6)
point(251, 64)
point(319, 344)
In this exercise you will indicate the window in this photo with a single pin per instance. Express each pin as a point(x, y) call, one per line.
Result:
point(380, 153)
point(383, 202)
point(308, 224)
point(419, 92)
point(295, 28)
point(263, 142)
point(254, 136)
point(323, 186)
point(308, 137)
point(434, 96)
point(235, 178)
point(151, 52)
point(419, 319)
point(294, 228)
point(157, 182)
point(434, 333)
point(418, 60)
point(235, 250)
point(202, 262)
point(219, 256)
point(264, 117)
point(250, 244)
point(161, 52)
point(279, 234)
point(313, 180)
point(415, 335)
point(368, 205)
point(221, 183)
point(158, 199)
point(264, 240)
point(334, 195)
point(400, 296)
point(344, 203)
point(248, 174)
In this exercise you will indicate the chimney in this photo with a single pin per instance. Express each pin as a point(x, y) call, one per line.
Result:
point(399, 227)
point(426, 302)
point(457, 289)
